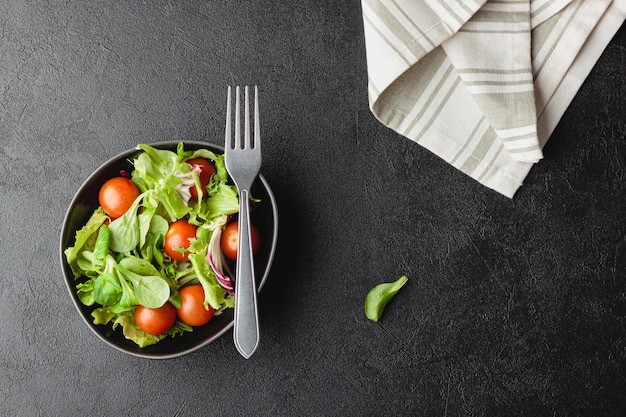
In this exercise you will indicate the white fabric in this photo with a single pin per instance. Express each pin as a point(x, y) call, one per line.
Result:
point(482, 83)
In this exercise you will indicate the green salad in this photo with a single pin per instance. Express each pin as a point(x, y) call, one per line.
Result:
point(150, 258)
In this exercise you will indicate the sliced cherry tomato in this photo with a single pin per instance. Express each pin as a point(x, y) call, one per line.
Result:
point(230, 240)
point(178, 236)
point(192, 309)
point(117, 195)
point(155, 320)
point(206, 172)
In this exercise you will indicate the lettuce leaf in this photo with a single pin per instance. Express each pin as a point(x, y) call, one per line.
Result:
point(85, 239)
point(378, 297)
point(125, 230)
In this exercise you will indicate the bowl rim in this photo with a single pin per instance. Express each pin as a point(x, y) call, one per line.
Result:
point(66, 226)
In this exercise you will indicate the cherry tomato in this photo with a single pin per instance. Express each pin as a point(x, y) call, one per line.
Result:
point(155, 320)
point(117, 195)
point(230, 240)
point(206, 172)
point(192, 309)
point(178, 236)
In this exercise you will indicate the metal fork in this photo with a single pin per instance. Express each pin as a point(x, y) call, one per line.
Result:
point(243, 163)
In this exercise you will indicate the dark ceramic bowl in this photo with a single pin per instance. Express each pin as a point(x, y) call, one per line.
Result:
point(264, 216)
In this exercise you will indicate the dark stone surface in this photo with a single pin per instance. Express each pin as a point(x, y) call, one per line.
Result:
point(513, 308)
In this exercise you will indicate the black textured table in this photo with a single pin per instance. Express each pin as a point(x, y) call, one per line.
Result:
point(513, 306)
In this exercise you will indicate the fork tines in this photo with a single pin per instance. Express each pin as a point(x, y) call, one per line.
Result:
point(248, 140)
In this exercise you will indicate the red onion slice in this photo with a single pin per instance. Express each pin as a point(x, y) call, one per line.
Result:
point(216, 259)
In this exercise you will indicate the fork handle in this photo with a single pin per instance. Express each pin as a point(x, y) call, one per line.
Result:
point(246, 327)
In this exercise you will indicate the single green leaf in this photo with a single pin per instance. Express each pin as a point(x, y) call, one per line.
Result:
point(103, 315)
point(214, 294)
point(144, 219)
point(175, 299)
point(170, 199)
point(84, 263)
point(107, 290)
point(124, 231)
point(179, 328)
point(150, 291)
point(153, 240)
point(119, 308)
point(138, 266)
point(101, 249)
point(181, 153)
point(162, 159)
point(128, 298)
point(204, 153)
point(220, 166)
point(223, 200)
point(158, 229)
point(83, 237)
point(157, 254)
point(146, 173)
point(378, 297)
point(85, 292)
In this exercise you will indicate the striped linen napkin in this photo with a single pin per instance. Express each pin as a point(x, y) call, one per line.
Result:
point(482, 83)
